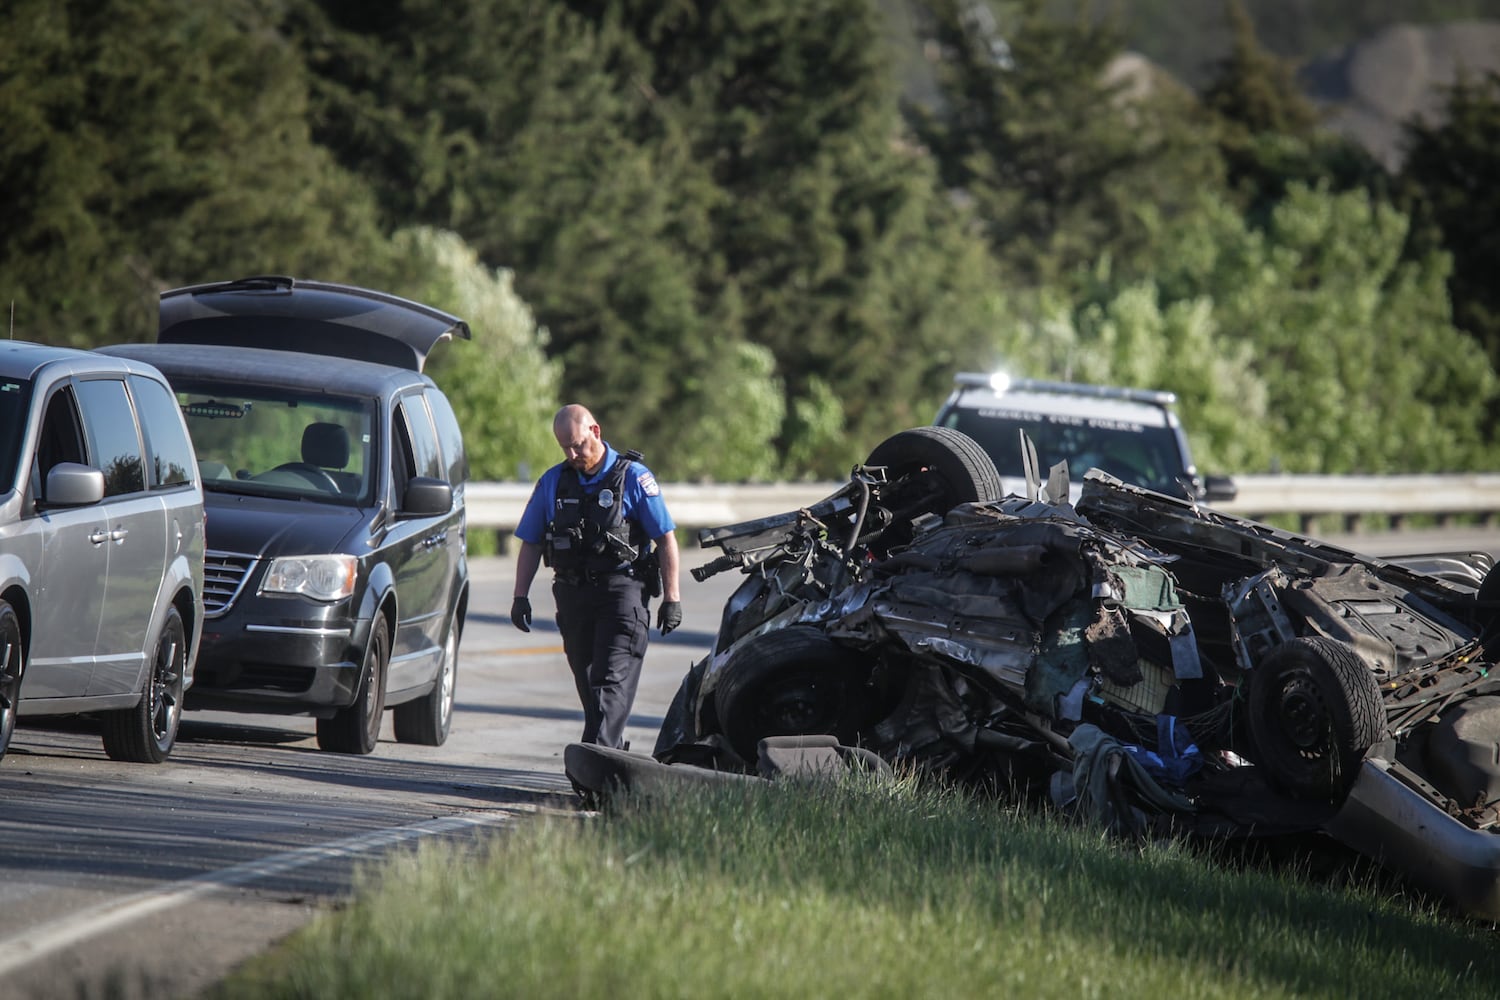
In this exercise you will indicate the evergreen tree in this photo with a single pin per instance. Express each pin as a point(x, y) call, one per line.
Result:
point(1450, 172)
point(156, 143)
point(1065, 157)
point(673, 184)
point(1270, 133)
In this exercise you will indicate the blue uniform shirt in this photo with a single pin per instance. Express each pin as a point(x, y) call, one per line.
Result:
point(643, 502)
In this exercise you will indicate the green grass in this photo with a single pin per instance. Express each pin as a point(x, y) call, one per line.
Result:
point(858, 891)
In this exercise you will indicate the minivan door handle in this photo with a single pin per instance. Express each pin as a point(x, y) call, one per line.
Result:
point(98, 537)
point(118, 534)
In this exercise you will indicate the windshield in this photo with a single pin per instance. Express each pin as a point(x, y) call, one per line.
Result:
point(275, 443)
point(15, 397)
point(1136, 453)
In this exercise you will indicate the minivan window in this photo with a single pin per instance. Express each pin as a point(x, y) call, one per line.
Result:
point(449, 436)
point(424, 443)
point(61, 438)
point(161, 422)
point(115, 445)
point(268, 442)
point(15, 398)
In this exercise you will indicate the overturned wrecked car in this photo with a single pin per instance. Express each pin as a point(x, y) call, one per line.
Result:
point(1140, 661)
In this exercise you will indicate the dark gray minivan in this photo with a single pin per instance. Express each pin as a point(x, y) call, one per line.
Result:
point(101, 547)
point(333, 473)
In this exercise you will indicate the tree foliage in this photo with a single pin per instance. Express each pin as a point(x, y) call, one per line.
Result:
point(673, 184)
point(503, 387)
point(716, 225)
point(1067, 152)
point(1310, 345)
point(1450, 171)
point(1268, 130)
point(156, 143)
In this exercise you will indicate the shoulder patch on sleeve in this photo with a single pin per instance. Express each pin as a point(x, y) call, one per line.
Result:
point(647, 483)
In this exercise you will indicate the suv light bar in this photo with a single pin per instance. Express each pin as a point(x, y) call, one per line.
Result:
point(1159, 397)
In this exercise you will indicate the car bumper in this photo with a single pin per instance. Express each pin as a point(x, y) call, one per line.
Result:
point(1387, 819)
point(257, 663)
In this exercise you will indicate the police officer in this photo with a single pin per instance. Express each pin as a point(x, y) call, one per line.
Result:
point(595, 518)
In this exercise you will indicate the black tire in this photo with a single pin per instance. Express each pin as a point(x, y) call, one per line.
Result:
point(1315, 711)
point(931, 470)
point(794, 681)
point(12, 669)
point(356, 729)
point(146, 733)
point(956, 459)
point(427, 720)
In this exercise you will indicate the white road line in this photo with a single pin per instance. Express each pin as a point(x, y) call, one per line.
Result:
point(54, 935)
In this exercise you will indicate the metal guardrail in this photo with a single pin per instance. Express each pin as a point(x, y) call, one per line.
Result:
point(1351, 500)
point(1354, 499)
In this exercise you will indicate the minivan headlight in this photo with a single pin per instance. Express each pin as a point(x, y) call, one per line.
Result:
point(322, 578)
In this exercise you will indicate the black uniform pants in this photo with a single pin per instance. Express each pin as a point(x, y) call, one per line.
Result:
point(604, 626)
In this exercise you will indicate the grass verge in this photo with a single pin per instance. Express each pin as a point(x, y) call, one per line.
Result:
point(857, 890)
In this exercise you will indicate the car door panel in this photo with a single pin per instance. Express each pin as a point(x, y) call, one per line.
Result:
point(68, 585)
point(136, 523)
point(418, 552)
point(71, 567)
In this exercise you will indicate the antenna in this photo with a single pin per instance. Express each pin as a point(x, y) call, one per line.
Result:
point(12, 319)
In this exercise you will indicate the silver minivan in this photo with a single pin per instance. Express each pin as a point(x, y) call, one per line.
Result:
point(101, 547)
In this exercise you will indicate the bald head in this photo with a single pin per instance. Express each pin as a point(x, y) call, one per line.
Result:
point(579, 437)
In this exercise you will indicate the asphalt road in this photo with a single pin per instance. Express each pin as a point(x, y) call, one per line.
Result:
point(135, 881)
point(156, 880)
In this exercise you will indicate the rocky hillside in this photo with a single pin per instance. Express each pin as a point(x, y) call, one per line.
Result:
point(1372, 86)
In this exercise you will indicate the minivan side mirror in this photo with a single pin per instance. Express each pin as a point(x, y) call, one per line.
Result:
point(427, 497)
point(1219, 489)
point(72, 485)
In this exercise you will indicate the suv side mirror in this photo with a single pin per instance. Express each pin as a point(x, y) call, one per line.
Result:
point(1219, 489)
point(72, 485)
point(427, 497)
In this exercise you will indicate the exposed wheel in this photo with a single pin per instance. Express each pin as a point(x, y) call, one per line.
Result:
point(12, 666)
point(356, 729)
point(930, 471)
point(428, 719)
point(794, 681)
point(145, 734)
point(1314, 712)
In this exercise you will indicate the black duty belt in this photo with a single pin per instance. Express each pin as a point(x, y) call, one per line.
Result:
point(594, 577)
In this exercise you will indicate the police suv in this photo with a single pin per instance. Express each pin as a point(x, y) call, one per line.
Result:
point(1132, 434)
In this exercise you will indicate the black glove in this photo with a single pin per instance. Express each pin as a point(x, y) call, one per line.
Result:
point(669, 616)
point(520, 614)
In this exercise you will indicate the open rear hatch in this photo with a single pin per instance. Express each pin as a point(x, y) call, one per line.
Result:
point(277, 312)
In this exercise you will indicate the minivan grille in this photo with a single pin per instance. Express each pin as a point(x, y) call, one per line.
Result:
point(224, 574)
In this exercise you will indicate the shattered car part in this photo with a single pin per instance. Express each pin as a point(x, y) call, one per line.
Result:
point(599, 772)
point(1137, 658)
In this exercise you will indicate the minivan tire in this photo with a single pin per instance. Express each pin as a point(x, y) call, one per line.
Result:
point(428, 720)
point(12, 668)
point(356, 729)
point(145, 733)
